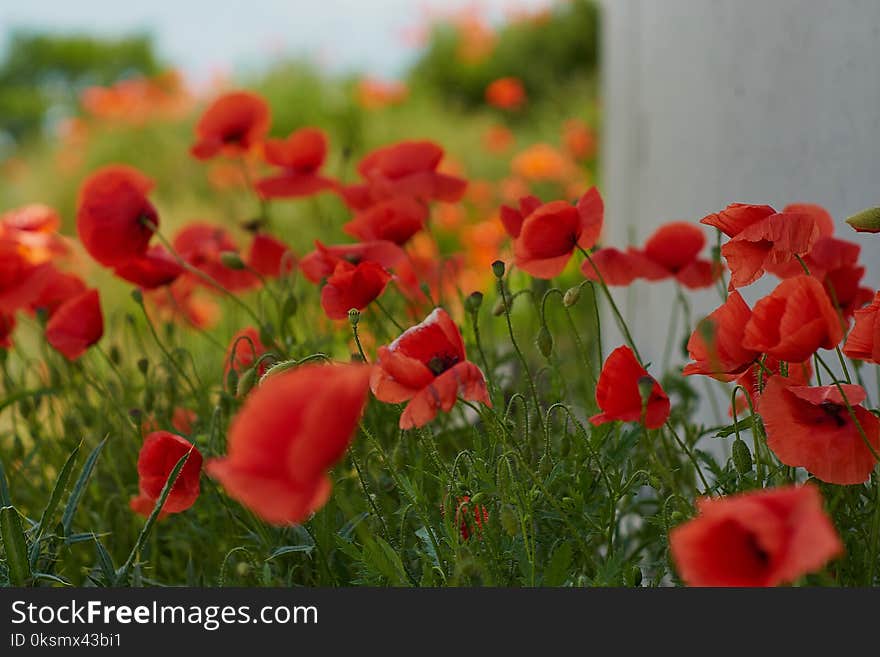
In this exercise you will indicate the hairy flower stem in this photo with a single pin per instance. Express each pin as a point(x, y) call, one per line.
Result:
point(617, 316)
point(519, 353)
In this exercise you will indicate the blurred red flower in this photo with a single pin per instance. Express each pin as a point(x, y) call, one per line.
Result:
point(407, 168)
point(269, 256)
point(546, 235)
point(863, 342)
point(716, 345)
point(759, 538)
point(7, 326)
point(231, 125)
point(76, 325)
point(300, 157)
point(811, 427)
point(112, 214)
point(57, 288)
point(506, 93)
point(427, 367)
point(290, 431)
point(153, 269)
point(321, 263)
point(352, 286)
point(248, 348)
point(395, 220)
point(626, 392)
point(201, 245)
point(794, 321)
point(159, 454)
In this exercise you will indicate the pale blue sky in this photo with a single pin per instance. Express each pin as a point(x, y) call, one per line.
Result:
point(202, 36)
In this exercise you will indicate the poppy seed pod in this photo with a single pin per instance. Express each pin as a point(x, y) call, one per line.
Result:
point(544, 341)
point(498, 268)
point(572, 296)
point(473, 302)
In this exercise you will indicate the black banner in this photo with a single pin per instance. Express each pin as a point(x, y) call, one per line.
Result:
point(136, 621)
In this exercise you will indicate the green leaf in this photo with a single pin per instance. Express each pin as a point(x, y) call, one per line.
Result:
point(559, 566)
point(422, 533)
point(23, 394)
point(15, 545)
point(287, 549)
point(80, 487)
point(54, 500)
point(105, 561)
point(743, 425)
point(381, 556)
point(122, 576)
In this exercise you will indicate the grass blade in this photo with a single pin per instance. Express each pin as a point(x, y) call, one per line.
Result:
point(105, 561)
point(122, 575)
point(80, 487)
point(16, 547)
point(54, 500)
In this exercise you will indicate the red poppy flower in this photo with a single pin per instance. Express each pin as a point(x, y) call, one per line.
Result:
point(321, 263)
point(427, 367)
point(352, 286)
point(231, 125)
point(300, 156)
point(756, 377)
point(159, 454)
point(7, 326)
point(76, 325)
point(270, 257)
point(794, 321)
point(736, 217)
point(770, 241)
point(290, 431)
point(506, 93)
point(717, 343)
point(545, 236)
point(395, 220)
point(761, 538)
point(676, 248)
point(183, 420)
point(58, 287)
point(812, 428)
point(620, 268)
point(201, 245)
point(35, 228)
point(113, 212)
point(248, 348)
point(619, 392)
point(470, 518)
point(153, 269)
point(21, 282)
point(408, 168)
point(863, 342)
point(182, 301)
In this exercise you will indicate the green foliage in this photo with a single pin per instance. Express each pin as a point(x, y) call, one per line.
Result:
point(546, 54)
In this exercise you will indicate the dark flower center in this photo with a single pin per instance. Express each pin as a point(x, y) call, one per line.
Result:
point(441, 362)
point(834, 411)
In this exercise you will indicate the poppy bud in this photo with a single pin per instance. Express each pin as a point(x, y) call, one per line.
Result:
point(135, 414)
point(498, 309)
point(232, 260)
point(149, 399)
point(646, 387)
point(290, 308)
point(138, 296)
point(742, 457)
point(498, 268)
point(354, 316)
point(635, 576)
point(572, 296)
point(115, 356)
point(509, 520)
point(544, 341)
point(866, 221)
point(232, 380)
point(143, 365)
point(245, 382)
point(676, 518)
point(473, 302)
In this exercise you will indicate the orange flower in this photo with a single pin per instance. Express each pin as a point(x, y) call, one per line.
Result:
point(626, 392)
point(546, 235)
point(112, 214)
point(375, 94)
point(289, 432)
point(427, 367)
point(159, 454)
point(794, 321)
point(717, 343)
point(579, 139)
point(542, 162)
point(21, 282)
point(231, 125)
point(506, 93)
point(863, 342)
point(34, 228)
point(812, 428)
point(76, 325)
point(760, 538)
point(300, 157)
point(497, 139)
